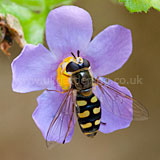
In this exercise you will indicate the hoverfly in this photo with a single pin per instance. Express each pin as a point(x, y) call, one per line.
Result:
point(75, 77)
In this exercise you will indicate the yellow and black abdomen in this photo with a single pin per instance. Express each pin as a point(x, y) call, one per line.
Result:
point(89, 113)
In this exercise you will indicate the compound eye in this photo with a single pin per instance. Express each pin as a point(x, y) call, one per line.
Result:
point(86, 63)
point(72, 67)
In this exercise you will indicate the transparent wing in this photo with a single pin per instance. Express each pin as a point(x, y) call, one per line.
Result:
point(119, 103)
point(62, 125)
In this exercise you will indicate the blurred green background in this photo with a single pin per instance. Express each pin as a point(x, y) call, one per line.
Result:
point(20, 139)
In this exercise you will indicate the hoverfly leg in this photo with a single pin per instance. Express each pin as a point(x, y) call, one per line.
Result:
point(57, 91)
point(102, 123)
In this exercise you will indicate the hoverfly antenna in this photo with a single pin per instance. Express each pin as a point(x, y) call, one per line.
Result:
point(73, 55)
point(78, 53)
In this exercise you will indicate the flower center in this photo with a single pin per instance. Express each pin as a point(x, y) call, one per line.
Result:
point(63, 77)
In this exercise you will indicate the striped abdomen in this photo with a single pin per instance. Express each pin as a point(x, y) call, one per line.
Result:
point(88, 113)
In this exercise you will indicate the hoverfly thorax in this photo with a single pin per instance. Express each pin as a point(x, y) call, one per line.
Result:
point(81, 78)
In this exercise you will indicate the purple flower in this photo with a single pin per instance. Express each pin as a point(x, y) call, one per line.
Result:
point(69, 29)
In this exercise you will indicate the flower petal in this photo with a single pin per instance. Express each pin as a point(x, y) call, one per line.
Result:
point(116, 114)
point(109, 50)
point(68, 29)
point(48, 105)
point(34, 69)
